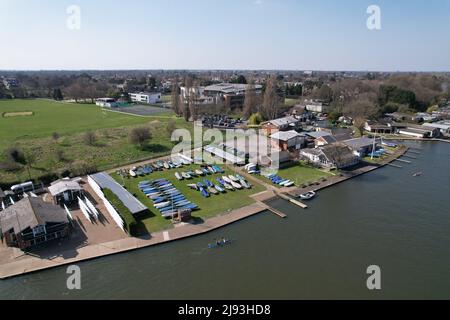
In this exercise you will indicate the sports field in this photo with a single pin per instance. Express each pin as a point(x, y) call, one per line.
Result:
point(67, 152)
point(51, 116)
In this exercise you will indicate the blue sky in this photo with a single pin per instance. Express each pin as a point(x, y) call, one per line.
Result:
point(226, 34)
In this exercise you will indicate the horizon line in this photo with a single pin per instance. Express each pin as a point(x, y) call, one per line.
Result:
point(229, 69)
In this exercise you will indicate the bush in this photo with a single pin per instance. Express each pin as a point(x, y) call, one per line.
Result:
point(255, 119)
point(170, 128)
point(90, 138)
point(130, 223)
point(139, 136)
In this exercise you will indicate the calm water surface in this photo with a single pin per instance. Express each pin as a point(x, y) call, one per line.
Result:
point(387, 218)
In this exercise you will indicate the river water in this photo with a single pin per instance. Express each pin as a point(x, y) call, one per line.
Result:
point(386, 218)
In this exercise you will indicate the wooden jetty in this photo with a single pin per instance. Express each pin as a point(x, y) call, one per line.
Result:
point(271, 209)
point(402, 160)
point(394, 165)
point(413, 151)
point(293, 201)
point(408, 156)
point(277, 212)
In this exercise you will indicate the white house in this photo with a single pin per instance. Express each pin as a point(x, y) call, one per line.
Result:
point(106, 103)
point(316, 106)
point(146, 97)
point(442, 126)
point(197, 94)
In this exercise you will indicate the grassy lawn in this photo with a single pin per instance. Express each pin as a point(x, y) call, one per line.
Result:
point(209, 207)
point(290, 102)
point(376, 160)
point(69, 153)
point(300, 174)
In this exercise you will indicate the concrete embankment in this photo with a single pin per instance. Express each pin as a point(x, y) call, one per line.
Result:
point(27, 264)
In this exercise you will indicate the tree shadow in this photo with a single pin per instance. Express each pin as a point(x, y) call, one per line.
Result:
point(155, 147)
point(196, 220)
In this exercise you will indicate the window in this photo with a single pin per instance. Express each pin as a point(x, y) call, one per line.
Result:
point(38, 230)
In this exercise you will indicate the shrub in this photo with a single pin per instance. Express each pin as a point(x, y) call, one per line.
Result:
point(255, 119)
point(55, 136)
point(170, 128)
point(139, 136)
point(130, 223)
point(90, 138)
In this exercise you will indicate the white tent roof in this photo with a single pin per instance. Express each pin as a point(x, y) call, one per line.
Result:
point(63, 186)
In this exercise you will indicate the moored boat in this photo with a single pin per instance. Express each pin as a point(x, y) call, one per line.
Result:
point(307, 195)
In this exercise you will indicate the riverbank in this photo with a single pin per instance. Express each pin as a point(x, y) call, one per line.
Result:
point(29, 263)
point(345, 175)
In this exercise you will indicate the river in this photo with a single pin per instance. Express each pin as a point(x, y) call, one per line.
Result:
point(386, 218)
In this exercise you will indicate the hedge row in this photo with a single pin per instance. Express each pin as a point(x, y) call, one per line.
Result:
point(130, 223)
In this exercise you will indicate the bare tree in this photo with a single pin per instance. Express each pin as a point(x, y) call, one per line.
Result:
point(250, 100)
point(170, 128)
point(90, 138)
point(192, 101)
point(186, 98)
point(139, 136)
point(269, 105)
point(175, 99)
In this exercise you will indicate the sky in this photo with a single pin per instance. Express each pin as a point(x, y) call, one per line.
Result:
point(225, 34)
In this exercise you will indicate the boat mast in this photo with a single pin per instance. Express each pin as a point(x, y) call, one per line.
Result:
point(373, 146)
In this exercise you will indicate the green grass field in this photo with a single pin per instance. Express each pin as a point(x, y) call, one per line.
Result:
point(209, 207)
point(300, 174)
point(33, 135)
point(51, 116)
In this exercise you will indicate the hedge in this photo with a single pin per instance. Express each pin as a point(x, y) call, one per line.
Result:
point(128, 218)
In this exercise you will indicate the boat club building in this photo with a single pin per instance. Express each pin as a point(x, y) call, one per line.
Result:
point(31, 221)
point(333, 156)
point(362, 146)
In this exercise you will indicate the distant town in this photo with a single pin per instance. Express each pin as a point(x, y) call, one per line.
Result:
point(86, 156)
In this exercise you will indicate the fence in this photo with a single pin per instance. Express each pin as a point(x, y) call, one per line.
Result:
point(114, 214)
